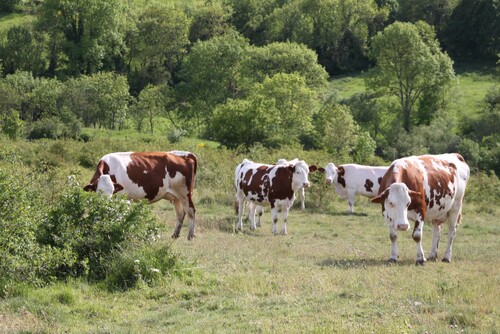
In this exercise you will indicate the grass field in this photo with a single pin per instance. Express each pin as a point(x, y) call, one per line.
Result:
point(329, 275)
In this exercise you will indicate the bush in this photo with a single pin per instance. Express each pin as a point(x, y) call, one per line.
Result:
point(21, 257)
point(148, 265)
point(92, 227)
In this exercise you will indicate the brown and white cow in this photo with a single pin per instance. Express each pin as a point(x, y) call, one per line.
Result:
point(350, 180)
point(427, 188)
point(258, 209)
point(269, 185)
point(152, 176)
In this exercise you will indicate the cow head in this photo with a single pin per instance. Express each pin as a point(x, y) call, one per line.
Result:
point(104, 185)
point(395, 201)
point(300, 175)
point(330, 172)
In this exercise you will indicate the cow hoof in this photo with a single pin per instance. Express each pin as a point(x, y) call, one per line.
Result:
point(392, 261)
point(175, 235)
point(432, 258)
point(420, 262)
point(446, 260)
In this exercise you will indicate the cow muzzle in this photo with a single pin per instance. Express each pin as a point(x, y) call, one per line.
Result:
point(402, 227)
point(329, 181)
point(306, 184)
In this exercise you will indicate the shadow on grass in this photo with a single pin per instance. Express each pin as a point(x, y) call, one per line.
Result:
point(362, 263)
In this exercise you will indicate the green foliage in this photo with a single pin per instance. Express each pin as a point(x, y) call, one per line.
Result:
point(210, 20)
point(277, 112)
point(22, 258)
point(23, 50)
point(149, 265)
point(11, 124)
point(473, 30)
point(89, 33)
point(409, 64)
point(92, 227)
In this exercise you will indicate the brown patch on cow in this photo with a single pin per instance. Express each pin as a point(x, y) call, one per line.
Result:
point(101, 169)
point(369, 185)
point(340, 176)
point(148, 170)
point(438, 180)
point(256, 182)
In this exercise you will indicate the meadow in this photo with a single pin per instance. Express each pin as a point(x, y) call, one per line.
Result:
point(329, 275)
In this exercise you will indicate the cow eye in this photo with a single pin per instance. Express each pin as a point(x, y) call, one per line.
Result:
point(391, 204)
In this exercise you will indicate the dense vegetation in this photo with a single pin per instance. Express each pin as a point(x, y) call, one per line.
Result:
point(331, 80)
point(243, 72)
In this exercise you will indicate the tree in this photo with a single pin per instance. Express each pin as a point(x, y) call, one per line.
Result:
point(210, 75)
point(99, 100)
point(89, 32)
point(151, 102)
point(474, 29)
point(277, 112)
point(23, 50)
point(159, 44)
point(285, 57)
point(210, 20)
point(409, 64)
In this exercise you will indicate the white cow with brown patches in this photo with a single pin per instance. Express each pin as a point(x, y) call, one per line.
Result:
point(350, 180)
point(427, 188)
point(269, 185)
point(152, 176)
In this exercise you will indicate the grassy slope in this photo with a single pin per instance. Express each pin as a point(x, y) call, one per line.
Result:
point(328, 275)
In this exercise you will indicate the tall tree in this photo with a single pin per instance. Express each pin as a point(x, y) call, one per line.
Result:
point(409, 64)
point(89, 32)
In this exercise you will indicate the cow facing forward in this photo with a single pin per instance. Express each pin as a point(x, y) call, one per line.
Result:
point(427, 188)
point(269, 185)
point(152, 176)
point(350, 180)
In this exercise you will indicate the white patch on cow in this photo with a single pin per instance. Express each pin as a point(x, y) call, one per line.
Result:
point(355, 177)
point(105, 185)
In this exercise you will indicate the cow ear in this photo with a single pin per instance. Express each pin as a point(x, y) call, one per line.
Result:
point(118, 187)
point(381, 198)
point(321, 170)
point(313, 168)
point(414, 194)
point(90, 187)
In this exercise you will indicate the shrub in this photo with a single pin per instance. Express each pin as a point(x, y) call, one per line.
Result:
point(21, 257)
point(93, 227)
point(148, 265)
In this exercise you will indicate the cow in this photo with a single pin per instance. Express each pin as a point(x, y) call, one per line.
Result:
point(350, 180)
point(269, 185)
point(152, 176)
point(426, 188)
point(252, 208)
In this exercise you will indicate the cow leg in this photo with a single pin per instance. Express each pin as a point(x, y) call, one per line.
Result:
point(436, 236)
point(241, 208)
point(190, 211)
point(417, 236)
point(251, 215)
point(284, 213)
point(393, 234)
point(454, 219)
point(350, 200)
point(260, 209)
point(274, 215)
point(180, 213)
point(302, 199)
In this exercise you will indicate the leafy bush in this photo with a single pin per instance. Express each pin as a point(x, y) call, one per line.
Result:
point(21, 257)
point(92, 226)
point(148, 265)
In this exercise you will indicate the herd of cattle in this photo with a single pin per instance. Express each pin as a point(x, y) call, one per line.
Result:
point(427, 188)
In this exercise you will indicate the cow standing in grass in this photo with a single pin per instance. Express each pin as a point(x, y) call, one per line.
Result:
point(152, 176)
point(350, 180)
point(427, 188)
point(269, 185)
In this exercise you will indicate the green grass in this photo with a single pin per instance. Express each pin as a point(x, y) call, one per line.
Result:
point(328, 275)
point(9, 20)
